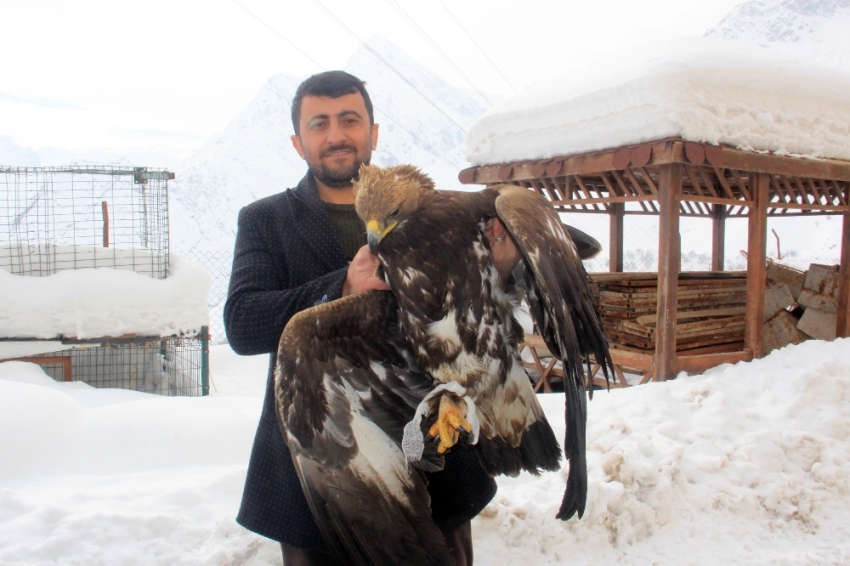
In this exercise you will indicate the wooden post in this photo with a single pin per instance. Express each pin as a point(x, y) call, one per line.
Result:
point(615, 237)
point(756, 264)
point(842, 326)
point(669, 256)
point(104, 207)
point(718, 237)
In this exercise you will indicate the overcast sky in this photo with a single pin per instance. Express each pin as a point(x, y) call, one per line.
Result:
point(119, 73)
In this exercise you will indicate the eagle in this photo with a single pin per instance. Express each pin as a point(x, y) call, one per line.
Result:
point(375, 388)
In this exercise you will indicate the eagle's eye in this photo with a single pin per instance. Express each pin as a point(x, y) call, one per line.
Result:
point(395, 212)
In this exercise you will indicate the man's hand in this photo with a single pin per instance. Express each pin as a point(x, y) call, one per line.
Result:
point(505, 254)
point(361, 274)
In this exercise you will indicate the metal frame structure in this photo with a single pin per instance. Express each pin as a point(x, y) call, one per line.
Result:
point(671, 178)
point(63, 218)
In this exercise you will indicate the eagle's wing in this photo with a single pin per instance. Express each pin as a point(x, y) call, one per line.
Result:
point(562, 307)
point(345, 387)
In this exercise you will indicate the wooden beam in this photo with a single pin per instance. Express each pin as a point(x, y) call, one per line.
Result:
point(842, 327)
point(718, 237)
point(670, 151)
point(669, 257)
point(615, 237)
point(756, 265)
point(795, 205)
point(584, 201)
point(705, 361)
point(712, 200)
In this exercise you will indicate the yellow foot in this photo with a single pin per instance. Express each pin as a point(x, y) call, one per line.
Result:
point(452, 418)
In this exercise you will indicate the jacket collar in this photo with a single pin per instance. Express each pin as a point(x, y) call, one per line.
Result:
point(316, 225)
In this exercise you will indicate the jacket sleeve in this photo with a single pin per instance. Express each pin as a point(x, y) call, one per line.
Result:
point(260, 301)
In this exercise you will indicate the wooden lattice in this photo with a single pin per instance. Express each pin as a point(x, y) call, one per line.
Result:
point(714, 180)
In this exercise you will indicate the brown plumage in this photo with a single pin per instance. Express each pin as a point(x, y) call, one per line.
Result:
point(438, 359)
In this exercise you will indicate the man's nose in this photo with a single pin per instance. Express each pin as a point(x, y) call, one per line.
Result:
point(335, 133)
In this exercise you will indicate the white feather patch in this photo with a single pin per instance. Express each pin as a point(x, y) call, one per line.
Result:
point(378, 460)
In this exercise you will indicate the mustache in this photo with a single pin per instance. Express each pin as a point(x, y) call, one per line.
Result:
point(338, 147)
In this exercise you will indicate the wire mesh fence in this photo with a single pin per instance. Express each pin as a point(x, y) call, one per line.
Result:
point(219, 264)
point(58, 218)
point(165, 366)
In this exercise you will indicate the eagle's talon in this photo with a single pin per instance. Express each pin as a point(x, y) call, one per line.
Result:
point(451, 420)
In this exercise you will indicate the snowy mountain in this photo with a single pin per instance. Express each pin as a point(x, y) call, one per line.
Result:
point(253, 156)
point(14, 155)
point(156, 156)
point(810, 29)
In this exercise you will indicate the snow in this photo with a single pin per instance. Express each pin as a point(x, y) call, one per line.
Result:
point(701, 89)
point(814, 29)
point(745, 464)
point(94, 303)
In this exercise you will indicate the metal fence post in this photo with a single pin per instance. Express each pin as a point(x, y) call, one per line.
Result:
point(205, 360)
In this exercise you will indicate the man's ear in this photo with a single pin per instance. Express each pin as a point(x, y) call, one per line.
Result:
point(296, 143)
point(374, 136)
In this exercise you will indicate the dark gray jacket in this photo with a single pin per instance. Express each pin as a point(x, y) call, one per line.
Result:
point(288, 258)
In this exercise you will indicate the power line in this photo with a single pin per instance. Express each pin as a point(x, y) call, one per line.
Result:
point(420, 140)
point(476, 45)
point(274, 31)
point(442, 54)
point(387, 63)
point(322, 67)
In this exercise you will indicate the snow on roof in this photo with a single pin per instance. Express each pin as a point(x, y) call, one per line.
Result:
point(700, 89)
point(95, 303)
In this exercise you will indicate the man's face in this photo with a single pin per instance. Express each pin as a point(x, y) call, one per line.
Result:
point(335, 137)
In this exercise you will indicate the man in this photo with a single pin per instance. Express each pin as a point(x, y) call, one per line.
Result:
point(303, 247)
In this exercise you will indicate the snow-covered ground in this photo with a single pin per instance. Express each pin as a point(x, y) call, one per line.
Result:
point(746, 464)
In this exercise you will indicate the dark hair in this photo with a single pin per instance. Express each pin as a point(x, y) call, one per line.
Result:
point(331, 84)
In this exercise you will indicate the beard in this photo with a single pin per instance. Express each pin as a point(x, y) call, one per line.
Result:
point(340, 177)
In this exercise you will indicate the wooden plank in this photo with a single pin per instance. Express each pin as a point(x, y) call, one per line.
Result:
point(615, 237)
point(631, 359)
point(793, 205)
point(705, 361)
point(756, 266)
point(804, 194)
point(813, 188)
point(721, 177)
point(696, 314)
point(638, 188)
point(712, 200)
point(739, 179)
point(65, 361)
point(648, 179)
point(842, 323)
point(703, 171)
point(669, 258)
point(718, 237)
point(672, 151)
point(582, 202)
point(782, 165)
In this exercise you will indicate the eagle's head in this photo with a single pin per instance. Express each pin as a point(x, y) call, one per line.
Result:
point(386, 196)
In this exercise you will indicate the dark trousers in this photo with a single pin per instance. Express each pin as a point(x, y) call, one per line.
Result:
point(459, 541)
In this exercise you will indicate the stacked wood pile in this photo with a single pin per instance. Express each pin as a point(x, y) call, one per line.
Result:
point(799, 305)
point(710, 318)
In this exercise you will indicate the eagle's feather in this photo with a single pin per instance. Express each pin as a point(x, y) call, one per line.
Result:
point(352, 373)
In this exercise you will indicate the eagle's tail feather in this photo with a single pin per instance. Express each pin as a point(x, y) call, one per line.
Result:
point(538, 451)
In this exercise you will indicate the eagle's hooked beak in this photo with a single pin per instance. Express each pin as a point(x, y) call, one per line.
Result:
point(374, 234)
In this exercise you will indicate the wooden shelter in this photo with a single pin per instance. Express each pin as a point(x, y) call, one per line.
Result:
point(673, 178)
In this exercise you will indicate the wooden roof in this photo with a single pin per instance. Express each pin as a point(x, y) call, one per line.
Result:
point(711, 175)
